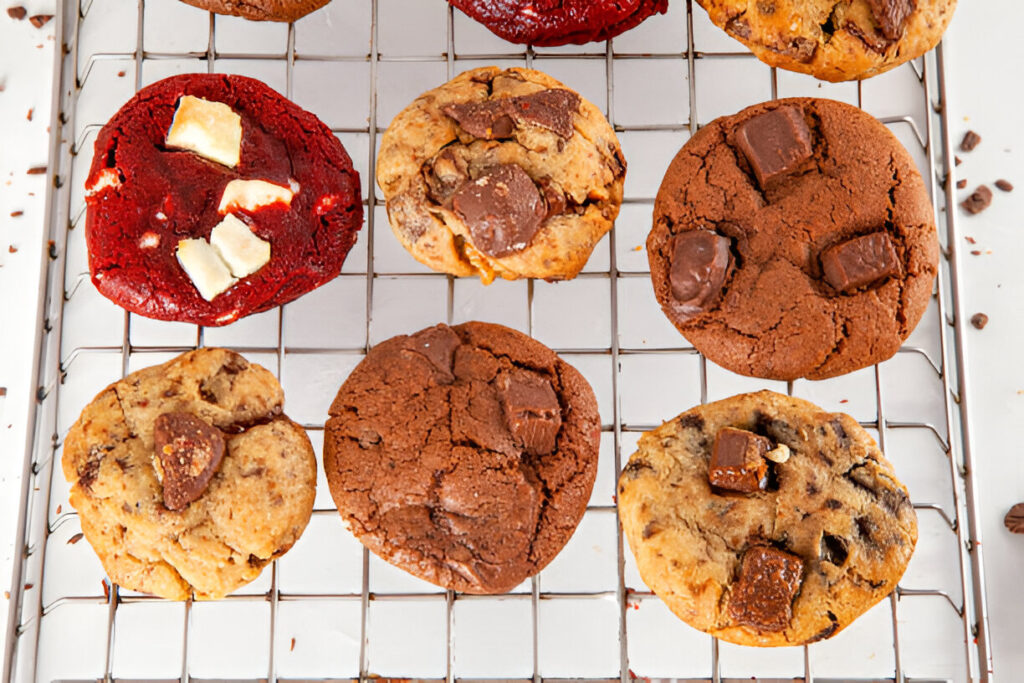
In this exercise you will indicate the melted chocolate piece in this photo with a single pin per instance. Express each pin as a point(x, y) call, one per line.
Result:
point(775, 143)
point(700, 262)
point(493, 119)
point(860, 262)
point(891, 15)
point(763, 596)
point(444, 175)
point(737, 460)
point(502, 208)
point(188, 453)
point(437, 345)
point(531, 409)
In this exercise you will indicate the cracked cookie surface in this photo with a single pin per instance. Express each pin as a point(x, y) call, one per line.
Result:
point(833, 510)
point(260, 10)
point(252, 510)
point(515, 121)
point(144, 198)
point(464, 455)
point(835, 40)
point(762, 296)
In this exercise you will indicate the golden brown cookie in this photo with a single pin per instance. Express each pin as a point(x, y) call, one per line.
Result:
point(501, 174)
point(187, 477)
point(834, 41)
point(787, 557)
point(261, 10)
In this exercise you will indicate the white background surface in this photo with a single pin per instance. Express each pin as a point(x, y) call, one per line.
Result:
point(984, 67)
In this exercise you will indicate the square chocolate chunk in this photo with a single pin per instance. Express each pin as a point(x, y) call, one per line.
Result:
point(775, 143)
point(763, 596)
point(860, 262)
point(737, 461)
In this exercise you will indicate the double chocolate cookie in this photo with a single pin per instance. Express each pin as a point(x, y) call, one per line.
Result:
point(549, 23)
point(834, 41)
point(187, 477)
point(465, 455)
point(261, 10)
point(501, 174)
point(794, 239)
point(211, 197)
point(763, 520)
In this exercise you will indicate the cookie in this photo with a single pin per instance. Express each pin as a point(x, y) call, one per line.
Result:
point(834, 41)
point(464, 455)
point(763, 520)
point(187, 477)
point(794, 239)
point(211, 197)
point(501, 174)
point(260, 10)
point(559, 23)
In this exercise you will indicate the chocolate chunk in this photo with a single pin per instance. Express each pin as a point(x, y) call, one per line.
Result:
point(554, 199)
point(962, 183)
point(700, 263)
point(979, 200)
point(437, 345)
point(1004, 185)
point(493, 119)
point(763, 596)
point(40, 20)
point(738, 26)
point(891, 15)
point(502, 208)
point(444, 175)
point(775, 143)
point(1014, 519)
point(634, 467)
point(737, 460)
point(970, 141)
point(531, 409)
point(833, 549)
point(188, 453)
point(860, 262)
point(979, 320)
point(17, 12)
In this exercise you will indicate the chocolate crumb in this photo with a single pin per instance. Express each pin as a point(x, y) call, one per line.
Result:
point(106, 589)
point(12, 249)
point(970, 240)
point(292, 648)
point(76, 538)
point(31, 110)
point(15, 214)
point(957, 160)
point(1004, 185)
point(120, 74)
point(3, 391)
point(961, 184)
point(1014, 519)
point(36, 170)
point(970, 141)
point(979, 200)
point(976, 252)
point(18, 12)
point(29, 586)
point(40, 20)
point(59, 508)
point(979, 320)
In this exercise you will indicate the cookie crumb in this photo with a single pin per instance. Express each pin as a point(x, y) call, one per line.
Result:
point(958, 160)
point(76, 538)
point(106, 590)
point(1004, 185)
point(961, 184)
point(15, 214)
point(12, 249)
point(292, 648)
point(31, 111)
point(979, 320)
point(59, 507)
point(29, 586)
point(120, 74)
point(1014, 519)
point(976, 252)
point(970, 240)
point(17, 12)
point(970, 141)
point(40, 20)
point(979, 200)
point(7, 595)
point(36, 170)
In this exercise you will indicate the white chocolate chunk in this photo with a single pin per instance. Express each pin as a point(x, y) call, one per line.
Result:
point(254, 194)
point(149, 240)
point(778, 454)
point(210, 129)
point(242, 251)
point(108, 177)
point(205, 268)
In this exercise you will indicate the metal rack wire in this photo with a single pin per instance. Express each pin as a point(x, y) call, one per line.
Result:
point(46, 642)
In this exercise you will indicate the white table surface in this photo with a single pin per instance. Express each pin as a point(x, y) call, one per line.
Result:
point(984, 78)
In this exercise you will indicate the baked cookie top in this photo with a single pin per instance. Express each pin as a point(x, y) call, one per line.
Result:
point(187, 477)
point(261, 10)
point(465, 455)
point(211, 197)
point(501, 174)
point(763, 520)
point(793, 239)
point(834, 41)
point(558, 23)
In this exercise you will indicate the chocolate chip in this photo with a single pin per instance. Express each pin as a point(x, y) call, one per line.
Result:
point(531, 410)
point(691, 422)
point(860, 262)
point(699, 265)
point(1014, 519)
point(961, 184)
point(979, 200)
point(833, 504)
point(502, 208)
point(188, 453)
point(554, 199)
point(833, 550)
point(763, 596)
point(970, 141)
point(1004, 185)
point(775, 143)
point(634, 467)
point(18, 12)
point(494, 119)
point(650, 529)
point(827, 631)
point(737, 460)
point(979, 320)
point(40, 20)
point(891, 15)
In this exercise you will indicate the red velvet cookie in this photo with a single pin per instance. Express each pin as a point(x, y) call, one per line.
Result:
point(212, 197)
point(558, 22)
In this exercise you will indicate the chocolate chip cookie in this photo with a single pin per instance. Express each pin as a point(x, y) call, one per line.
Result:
point(261, 10)
point(187, 477)
point(501, 174)
point(794, 239)
point(834, 41)
point(465, 455)
point(763, 520)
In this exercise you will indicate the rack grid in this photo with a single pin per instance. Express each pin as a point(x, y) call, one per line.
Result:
point(330, 610)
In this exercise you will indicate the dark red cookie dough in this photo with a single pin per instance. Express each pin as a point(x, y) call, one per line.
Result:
point(174, 195)
point(802, 239)
point(558, 22)
point(465, 455)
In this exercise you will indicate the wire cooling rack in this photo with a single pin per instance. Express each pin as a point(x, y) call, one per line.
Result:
point(329, 610)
